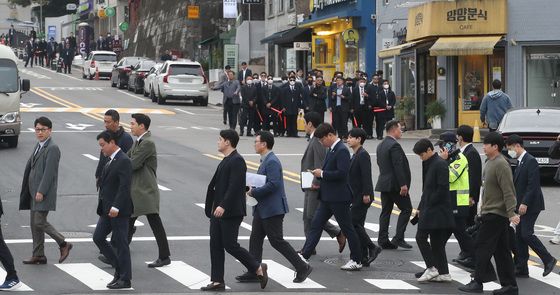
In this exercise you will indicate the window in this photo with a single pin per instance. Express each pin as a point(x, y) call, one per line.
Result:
point(270, 8)
point(104, 57)
point(8, 76)
point(291, 5)
point(193, 70)
point(280, 6)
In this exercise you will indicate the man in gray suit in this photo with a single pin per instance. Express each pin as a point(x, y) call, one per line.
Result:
point(38, 192)
point(313, 158)
point(223, 79)
point(231, 99)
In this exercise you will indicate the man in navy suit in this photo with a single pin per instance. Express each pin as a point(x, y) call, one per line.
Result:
point(114, 209)
point(335, 197)
point(268, 214)
point(530, 202)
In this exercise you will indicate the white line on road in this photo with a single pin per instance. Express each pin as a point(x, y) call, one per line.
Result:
point(552, 279)
point(185, 274)
point(89, 274)
point(65, 131)
point(244, 225)
point(137, 223)
point(71, 77)
point(131, 95)
point(197, 128)
point(163, 188)
point(284, 276)
point(92, 157)
point(391, 284)
point(183, 111)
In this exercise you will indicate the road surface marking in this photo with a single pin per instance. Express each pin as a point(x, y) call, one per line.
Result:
point(552, 279)
point(34, 74)
point(462, 276)
point(284, 276)
point(185, 274)
point(53, 88)
point(197, 128)
point(23, 287)
point(137, 223)
point(244, 225)
point(91, 157)
point(391, 284)
point(95, 111)
point(131, 95)
point(183, 111)
point(31, 130)
point(88, 274)
point(163, 188)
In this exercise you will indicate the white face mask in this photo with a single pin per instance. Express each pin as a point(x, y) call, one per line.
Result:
point(362, 84)
point(386, 86)
point(270, 82)
point(249, 82)
point(292, 83)
point(512, 154)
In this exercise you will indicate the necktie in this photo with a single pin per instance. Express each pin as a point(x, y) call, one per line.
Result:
point(292, 88)
point(37, 151)
point(105, 168)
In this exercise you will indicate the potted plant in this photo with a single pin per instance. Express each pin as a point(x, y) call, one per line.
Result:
point(404, 111)
point(435, 112)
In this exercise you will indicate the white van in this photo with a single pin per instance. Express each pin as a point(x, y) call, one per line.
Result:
point(11, 89)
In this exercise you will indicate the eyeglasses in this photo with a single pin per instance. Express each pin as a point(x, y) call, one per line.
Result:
point(41, 130)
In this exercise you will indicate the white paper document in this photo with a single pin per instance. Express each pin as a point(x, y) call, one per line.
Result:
point(306, 179)
point(255, 180)
point(250, 201)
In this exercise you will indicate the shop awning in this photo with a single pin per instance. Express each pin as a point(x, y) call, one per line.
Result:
point(455, 46)
point(395, 50)
point(287, 36)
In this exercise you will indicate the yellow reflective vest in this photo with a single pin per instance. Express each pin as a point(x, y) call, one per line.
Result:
point(459, 179)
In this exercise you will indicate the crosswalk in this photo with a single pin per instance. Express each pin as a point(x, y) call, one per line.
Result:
point(87, 276)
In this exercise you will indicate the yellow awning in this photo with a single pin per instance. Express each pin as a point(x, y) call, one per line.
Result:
point(395, 50)
point(454, 46)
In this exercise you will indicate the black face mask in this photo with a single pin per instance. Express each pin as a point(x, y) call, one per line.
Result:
point(310, 82)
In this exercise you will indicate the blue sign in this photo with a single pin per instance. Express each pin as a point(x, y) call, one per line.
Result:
point(51, 32)
point(85, 6)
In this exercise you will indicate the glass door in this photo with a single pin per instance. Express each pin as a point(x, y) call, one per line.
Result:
point(543, 78)
point(473, 81)
point(427, 66)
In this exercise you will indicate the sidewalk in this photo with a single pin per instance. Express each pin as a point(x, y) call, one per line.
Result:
point(215, 98)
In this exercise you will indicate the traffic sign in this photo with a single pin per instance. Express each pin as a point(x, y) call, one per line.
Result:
point(101, 13)
point(110, 11)
point(193, 12)
point(123, 26)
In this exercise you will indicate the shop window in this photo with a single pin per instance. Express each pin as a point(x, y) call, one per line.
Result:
point(472, 70)
point(543, 77)
point(321, 51)
point(280, 6)
point(291, 4)
point(408, 77)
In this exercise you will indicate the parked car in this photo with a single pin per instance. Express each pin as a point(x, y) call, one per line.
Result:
point(137, 75)
point(182, 80)
point(539, 128)
point(100, 61)
point(149, 81)
point(119, 74)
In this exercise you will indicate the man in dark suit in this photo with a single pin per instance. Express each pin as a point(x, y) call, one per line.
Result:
point(268, 213)
point(248, 113)
point(244, 73)
point(307, 90)
point(291, 102)
point(379, 115)
point(51, 51)
point(225, 206)
point(313, 158)
point(387, 99)
point(39, 192)
point(30, 47)
point(318, 98)
point(394, 184)
point(464, 139)
point(114, 209)
point(11, 36)
point(68, 57)
point(335, 197)
point(362, 106)
point(340, 105)
point(530, 202)
point(362, 187)
point(270, 95)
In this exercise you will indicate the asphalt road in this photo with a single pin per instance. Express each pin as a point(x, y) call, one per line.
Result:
point(186, 138)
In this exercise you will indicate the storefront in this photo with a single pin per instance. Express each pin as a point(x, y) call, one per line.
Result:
point(453, 52)
point(341, 32)
point(288, 50)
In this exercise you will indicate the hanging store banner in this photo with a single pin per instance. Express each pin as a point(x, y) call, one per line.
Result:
point(457, 18)
point(230, 8)
point(231, 56)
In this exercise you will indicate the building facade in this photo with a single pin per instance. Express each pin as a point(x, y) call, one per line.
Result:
point(453, 50)
point(343, 36)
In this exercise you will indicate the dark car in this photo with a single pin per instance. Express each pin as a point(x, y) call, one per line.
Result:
point(539, 128)
point(119, 75)
point(137, 75)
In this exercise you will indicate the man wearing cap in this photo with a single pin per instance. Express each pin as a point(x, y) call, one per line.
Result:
point(459, 187)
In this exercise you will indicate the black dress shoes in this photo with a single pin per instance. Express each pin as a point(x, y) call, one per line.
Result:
point(264, 277)
point(388, 245)
point(36, 260)
point(467, 262)
point(373, 253)
point(104, 259)
point(247, 277)
point(507, 290)
point(401, 243)
point(115, 279)
point(303, 274)
point(214, 287)
point(160, 262)
point(549, 267)
point(472, 287)
point(120, 284)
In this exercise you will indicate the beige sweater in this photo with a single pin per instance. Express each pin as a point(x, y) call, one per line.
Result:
point(499, 191)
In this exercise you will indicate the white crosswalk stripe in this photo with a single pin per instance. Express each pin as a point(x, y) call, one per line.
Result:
point(23, 287)
point(462, 276)
point(88, 274)
point(374, 227)
point(391, 284)
point(244, 225)
point(185, 274)
point(552, 279)
point(284, 276)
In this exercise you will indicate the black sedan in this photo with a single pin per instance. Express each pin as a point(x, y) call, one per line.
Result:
point(539, 128)
point(137, 75)
point(119, 75)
